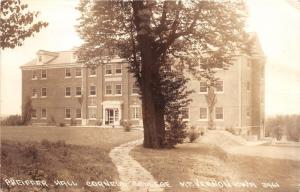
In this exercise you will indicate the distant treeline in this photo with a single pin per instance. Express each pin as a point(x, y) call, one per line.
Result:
point(280, 125)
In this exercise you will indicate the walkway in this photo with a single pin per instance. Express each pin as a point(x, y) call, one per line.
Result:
point(133, 176)
point(236, 145)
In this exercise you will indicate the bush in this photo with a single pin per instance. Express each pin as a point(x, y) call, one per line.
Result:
point(73, 122)
point(99, 123)
point(194, 135)
point(62, 124)
point(126, 125)
point(13, 120)
point(230, 130)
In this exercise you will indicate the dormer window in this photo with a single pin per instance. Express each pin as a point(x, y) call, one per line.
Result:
point(40, 58)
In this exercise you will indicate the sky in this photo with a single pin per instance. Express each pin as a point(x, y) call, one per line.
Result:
point(276, 23)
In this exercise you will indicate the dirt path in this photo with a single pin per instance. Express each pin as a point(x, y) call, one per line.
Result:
point(133, 176)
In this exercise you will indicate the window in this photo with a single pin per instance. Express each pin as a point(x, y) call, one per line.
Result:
point(34, 75)
point(68, 73)
point(44, 74)
point(33, 114)
point(68, 113)
point(92, 72)
point(108, 69)
point(92, 112)
point(135, 89)
point(68, 92)
point(78, 113)
point(118, 68)
point(108, 90)
point(118, 89)
point(203, 113)
point(135, 113)
point(93, 90)
point(185, 113)
point(248, 86)
point(78, 72)
point(219, 113)
point(219, 86)
point(203, 87)
point(78, 91)
point(34, 93)
point(44, 114)
point(40, 58)
point(44, 92)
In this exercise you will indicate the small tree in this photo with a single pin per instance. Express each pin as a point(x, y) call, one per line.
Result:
point(211, 99)
point(27, 110)
point(17, 23)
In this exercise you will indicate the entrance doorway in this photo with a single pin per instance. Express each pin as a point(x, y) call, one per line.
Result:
point(112, 116)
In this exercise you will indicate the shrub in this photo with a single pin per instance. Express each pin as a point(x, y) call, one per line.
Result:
point(73, 122)
point(99, 123)
point(230, 130)
point(12, 120)
point(126, 125)
point(193, 135)
point(46, 143)
point(52, 121)
point(62, 124)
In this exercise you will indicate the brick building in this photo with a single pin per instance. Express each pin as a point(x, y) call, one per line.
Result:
point(64, 91)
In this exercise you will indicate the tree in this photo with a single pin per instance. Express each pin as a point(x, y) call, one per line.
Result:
point(17, 23)
point(27, 111)
point(147, 33)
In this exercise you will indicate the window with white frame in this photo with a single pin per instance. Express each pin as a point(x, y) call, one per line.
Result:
point(68, 92)
point(219, 86)
point(44, 114)
point(78, 91)
point(78, 113)
point(67, 113)
point(118, 89)
point(44, 92)
point(93, 90)
point(108, 89)
point(135, 89)
point(219, 113)
point(118, 68)
point(68, 72)
point(203, 113)
point(203, 87)
point(78, 72)
point(185, 113)
point(108, 69)
point(34, 75)
point(34, 93)
point(33, 114)
point(43, 74)
point(93, 72)
point(92, 112)
point(135, 112)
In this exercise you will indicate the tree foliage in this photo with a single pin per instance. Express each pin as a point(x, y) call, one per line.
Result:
point(196, 36)
point(17, 23)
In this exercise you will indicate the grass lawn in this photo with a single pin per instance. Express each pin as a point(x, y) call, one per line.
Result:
point(204, 162)
point(61, 153)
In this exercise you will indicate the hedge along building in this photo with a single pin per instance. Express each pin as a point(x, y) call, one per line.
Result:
point(64, 91)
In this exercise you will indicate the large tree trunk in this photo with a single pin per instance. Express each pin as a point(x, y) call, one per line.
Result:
point(153, 112)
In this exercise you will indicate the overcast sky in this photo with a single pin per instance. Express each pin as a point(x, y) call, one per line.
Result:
point(276, 22)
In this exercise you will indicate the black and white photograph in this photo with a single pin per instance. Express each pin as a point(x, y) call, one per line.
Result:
point(150, 95)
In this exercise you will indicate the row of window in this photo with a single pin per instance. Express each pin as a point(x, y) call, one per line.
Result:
point(110, 89)
point(110, 69)
point(92, 112)
point(219, 113)
point(219, 87)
